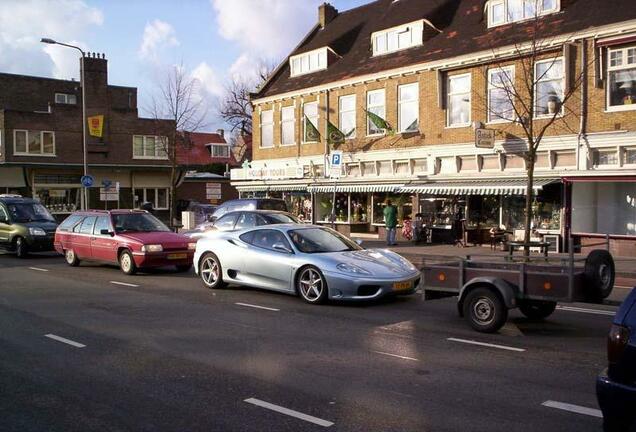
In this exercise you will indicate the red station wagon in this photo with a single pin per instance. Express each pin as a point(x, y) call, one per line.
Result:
point(133, 239)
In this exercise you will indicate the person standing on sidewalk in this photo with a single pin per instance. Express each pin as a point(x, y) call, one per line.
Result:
point(390, 221)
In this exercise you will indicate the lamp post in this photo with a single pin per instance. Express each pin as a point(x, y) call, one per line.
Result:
point(54, 42)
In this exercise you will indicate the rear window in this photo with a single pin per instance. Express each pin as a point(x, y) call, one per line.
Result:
point(272, 205)
point(70, 222)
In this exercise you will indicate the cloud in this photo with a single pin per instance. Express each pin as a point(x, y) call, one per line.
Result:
point(24, 22)
point(158, 35)
point(209, 81)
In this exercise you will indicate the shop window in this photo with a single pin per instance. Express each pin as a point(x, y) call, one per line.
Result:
point(546, 210)
point(500, 94)
point(158, 197)
point(401, 201)
point(622, 78)
point(605, 157)
point(150, 147)
point(287, 125)
point(483, 210)
point(514, 212)
point(299, 204)
point(325, 201)
point(375, 105)
point(549, 77)
point(59, 201)
point(353, 170)
point(33, 143)
point(347, 116)
point(360, 208)
point(267, 129)
point(368, 169)
point(402, 168)
point(458, 111)
point(408, 108)
point(629, 156)
point(310, 122)
point(604, 208)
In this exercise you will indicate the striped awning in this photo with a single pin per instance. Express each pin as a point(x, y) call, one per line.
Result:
point(271, 188)
point(356, 188)
point(479, 187)
point(288, 188)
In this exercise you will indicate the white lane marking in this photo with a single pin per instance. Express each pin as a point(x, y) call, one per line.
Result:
point(395, 355)
point(64, 340)
point(484, 344)
point(257, 307)
point(588, 311)
point(38, 269)
point(573, 408)
point(287, 411)
point(124, 284)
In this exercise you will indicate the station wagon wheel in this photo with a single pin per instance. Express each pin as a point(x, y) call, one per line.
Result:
point(211, 272)
point(71, 258)
point(127, 263)
point(311, 285)
point(485, 310)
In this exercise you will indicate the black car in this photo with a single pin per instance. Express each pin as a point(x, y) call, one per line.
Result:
point(249, 204)
point(25, 225)
point(616, 386)
point(237, 220)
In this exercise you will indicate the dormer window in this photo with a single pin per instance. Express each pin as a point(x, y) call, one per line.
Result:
point(309, 62)
point(397, 38)
point(509, 11)
point(219, 150)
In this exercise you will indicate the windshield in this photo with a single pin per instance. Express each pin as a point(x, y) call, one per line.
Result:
point(29, 212)
point(138, 222)
point(321, 240)
point(280, 218)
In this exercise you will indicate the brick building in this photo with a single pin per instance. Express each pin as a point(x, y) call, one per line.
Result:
point(426, 70)
point(41, 142)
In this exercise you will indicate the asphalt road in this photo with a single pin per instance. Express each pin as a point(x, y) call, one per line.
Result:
point(90, 349)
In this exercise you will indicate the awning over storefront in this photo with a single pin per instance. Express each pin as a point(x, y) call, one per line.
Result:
point(271, 188)
point(11, 177)
point(479, 187)
point(356, 188)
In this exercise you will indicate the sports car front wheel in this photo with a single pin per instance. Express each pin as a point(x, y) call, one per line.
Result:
point(311, 285)
point(211, 272)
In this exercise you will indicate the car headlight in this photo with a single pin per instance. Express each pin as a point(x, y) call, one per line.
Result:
point(192, 246)
point(152, 248)
point(37, 232)
point(352, 268)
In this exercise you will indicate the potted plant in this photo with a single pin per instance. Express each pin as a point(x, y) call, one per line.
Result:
point(553, 102)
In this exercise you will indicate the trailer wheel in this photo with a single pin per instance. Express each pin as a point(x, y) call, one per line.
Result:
point(599, 275)
point(485, 310)
point(537, 309)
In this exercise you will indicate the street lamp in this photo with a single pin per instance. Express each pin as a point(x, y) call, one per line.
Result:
point(54, 42)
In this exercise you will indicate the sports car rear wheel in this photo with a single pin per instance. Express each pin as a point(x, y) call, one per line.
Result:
point(211, 272)
point(311, 285)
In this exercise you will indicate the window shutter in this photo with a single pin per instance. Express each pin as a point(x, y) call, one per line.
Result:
point(441, 89)
point(599, 72)
point(569, 55)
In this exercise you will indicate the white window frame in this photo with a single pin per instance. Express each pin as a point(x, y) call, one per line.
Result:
point(225, 147)
point(269, 125)
point(510, 70)
point(26, 152)
point(369, 106)
point(316, 123)
point(414, 29)
point(536, 86)
point(623, 67)
point(507, 19)
point(606, 150)
point(288, 123)
point(309, 62)
point(470, 100)
point(155, 204)
point(347, 112)
point(400, 103)
point(158, 148)
point(66, 98)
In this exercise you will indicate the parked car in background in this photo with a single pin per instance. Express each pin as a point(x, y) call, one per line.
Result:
point(133, 239)
point(616, 386)
point(239, 220)
point(313, 262)
point(25, 225)
point(249, 204)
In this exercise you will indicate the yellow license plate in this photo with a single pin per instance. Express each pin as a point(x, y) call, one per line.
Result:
point(402, 286)
point(176, 256)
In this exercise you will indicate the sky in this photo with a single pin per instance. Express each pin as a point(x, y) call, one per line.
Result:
point(213, 39)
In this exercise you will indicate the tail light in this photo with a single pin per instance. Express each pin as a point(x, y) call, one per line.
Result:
point(616, 343)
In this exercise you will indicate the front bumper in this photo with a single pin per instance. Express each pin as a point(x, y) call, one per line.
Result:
point(352, 287)
point(163, 259)
point(40, 243)
point(617, 402)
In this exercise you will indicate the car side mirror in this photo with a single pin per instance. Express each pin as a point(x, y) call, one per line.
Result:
point(211, 218)
point(280, 247)
point(107, 232)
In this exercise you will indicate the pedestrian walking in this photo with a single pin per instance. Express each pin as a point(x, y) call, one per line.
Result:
point(390, 221)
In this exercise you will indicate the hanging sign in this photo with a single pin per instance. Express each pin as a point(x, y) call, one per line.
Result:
point(485, 138)
point(96, 125)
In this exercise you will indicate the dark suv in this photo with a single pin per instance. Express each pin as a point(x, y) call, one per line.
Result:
point(249, 204)
point(616, 386)
point(25, 225)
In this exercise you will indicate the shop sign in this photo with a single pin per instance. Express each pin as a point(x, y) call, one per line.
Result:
point(213, 191)
point(485, 138)
point(96, 125)
point(109, 193)
point(266, 173)
point(335, 164)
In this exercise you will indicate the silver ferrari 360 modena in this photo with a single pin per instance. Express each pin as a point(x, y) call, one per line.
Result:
point(314, 262)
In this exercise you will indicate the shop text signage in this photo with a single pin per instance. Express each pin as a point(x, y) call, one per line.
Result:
point(485, 138)
point(96, 125)
point(266, 173)
point(213, 191)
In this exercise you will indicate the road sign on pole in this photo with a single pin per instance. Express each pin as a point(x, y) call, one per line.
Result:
point(87, 181)
point(335, 164)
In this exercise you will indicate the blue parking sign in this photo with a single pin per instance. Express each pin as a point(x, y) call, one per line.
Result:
point(87, 181)
point(336, 159)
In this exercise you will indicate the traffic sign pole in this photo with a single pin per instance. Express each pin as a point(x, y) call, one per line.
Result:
point(335, 169)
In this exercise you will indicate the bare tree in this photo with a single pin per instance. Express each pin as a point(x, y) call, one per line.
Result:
point(235, 106)
point(177, 100)
point(530, 97)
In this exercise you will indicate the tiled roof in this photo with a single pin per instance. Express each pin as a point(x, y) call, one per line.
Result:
point(193, 151)
point(464, 31)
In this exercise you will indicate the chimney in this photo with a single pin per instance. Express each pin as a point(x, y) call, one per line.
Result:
point(326, 14)
point(221, 132)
